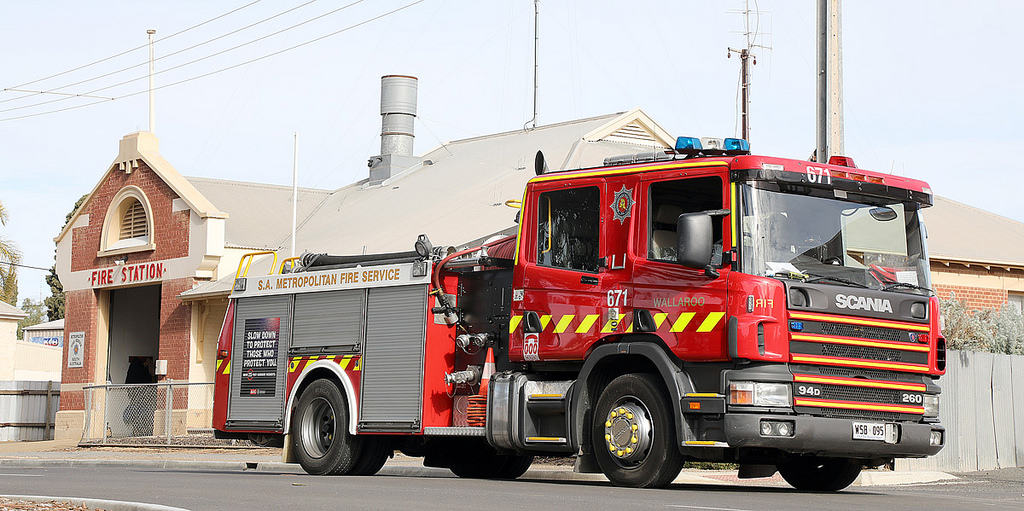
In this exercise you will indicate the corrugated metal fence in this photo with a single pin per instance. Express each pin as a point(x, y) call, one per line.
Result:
point(982, 407)
point(27, 409)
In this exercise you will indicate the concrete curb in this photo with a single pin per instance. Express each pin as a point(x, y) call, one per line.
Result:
point(109, 505)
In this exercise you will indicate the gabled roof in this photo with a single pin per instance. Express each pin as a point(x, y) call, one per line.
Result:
point(958, 233)
point(144, 146)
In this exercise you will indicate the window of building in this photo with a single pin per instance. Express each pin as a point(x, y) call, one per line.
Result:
point(668, 200)
point(569, 223)
point(1016, 301)
point(134, 224)
point(128, 224)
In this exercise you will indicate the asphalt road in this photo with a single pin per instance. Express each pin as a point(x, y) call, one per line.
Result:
point(251, 490)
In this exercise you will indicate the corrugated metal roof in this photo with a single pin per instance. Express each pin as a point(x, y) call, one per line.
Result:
point(958, 232)
point(50, 325)
point(260, 215)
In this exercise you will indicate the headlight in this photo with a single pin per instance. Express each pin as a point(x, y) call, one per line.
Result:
point(931, 405)
point(759, 394)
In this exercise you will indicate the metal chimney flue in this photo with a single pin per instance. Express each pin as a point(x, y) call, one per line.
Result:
point(398, 114)
point(398, 119)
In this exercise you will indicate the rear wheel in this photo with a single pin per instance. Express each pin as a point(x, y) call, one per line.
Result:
point(320, 438)
point(820, 474)
point(516, 466)
point(633, 435)
point(374, 452)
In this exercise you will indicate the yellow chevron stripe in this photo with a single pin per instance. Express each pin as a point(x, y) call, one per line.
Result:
point(345, 361)
point(544, 321)
point(659, 318)
point(358, 365)
point(682, 321)
point(587, 323)
point(220, 362)
point(710, 321)
point(609, 327)
point(513, 323)
point(293, 365)
point(563, 323)
point(227, 368)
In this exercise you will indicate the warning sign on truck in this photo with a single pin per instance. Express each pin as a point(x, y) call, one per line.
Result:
point(259, 357)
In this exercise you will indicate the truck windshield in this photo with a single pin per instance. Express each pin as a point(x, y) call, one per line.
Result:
point(811, 234)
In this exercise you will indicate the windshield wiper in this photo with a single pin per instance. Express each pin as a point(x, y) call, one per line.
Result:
point(811, 278)
point(906, 285)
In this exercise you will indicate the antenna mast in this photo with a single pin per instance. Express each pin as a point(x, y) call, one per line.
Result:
point(747, 58)
point(152, 105)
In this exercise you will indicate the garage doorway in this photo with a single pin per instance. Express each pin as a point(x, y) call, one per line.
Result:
point(134, 330)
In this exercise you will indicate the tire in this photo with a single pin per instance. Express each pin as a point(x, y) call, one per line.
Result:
point(516, 466)
point(477, 460)
point(633, 435)
point(820, 474)
point(373, 454)
point(319, 431)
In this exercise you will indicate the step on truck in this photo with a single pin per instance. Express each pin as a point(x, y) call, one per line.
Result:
point(700, 303)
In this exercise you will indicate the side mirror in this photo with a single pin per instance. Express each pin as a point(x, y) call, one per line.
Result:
point(693, 244)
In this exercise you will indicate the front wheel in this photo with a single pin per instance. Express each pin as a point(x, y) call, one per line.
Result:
point(320, 438)
point(633, 435)
point(820, 474)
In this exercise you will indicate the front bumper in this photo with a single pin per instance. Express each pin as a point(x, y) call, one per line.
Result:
point(830, 437)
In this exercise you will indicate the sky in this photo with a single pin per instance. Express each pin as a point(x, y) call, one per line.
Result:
point(931, 88)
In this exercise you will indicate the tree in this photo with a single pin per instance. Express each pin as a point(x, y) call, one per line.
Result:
point(55, 302)
point(36, 314)
point(10, 256)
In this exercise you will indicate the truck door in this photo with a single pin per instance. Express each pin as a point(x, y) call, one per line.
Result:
point(688, 307)
point(259, 360)
point(564, 279)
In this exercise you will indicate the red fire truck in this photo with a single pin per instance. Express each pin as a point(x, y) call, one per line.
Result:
point(700, 303)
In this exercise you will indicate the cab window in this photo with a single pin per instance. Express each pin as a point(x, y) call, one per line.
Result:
point(668, 200)
point(568, 227)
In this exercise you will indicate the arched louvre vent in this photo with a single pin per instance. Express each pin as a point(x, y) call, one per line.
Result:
point(134, 224)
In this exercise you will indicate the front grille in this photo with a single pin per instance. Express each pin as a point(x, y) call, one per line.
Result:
point(852, 373)
point(858, 414)
point(864, 332)
point(868, 395)
point(839, 350)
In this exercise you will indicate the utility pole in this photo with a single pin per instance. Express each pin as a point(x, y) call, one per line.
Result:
point(830, 81)
point(152, 106)
point(747, 58)
point(536, 66)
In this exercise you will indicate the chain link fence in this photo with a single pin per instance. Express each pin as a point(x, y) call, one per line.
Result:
point(171, 413)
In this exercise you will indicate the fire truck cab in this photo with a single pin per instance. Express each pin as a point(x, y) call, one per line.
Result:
point(695, 304)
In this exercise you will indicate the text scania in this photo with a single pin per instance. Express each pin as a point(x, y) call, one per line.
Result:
point(863, 303)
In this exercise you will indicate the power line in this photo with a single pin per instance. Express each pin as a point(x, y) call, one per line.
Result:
point(24, 266)
point(136, 48)
point(273, 54)
point(54, 89)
